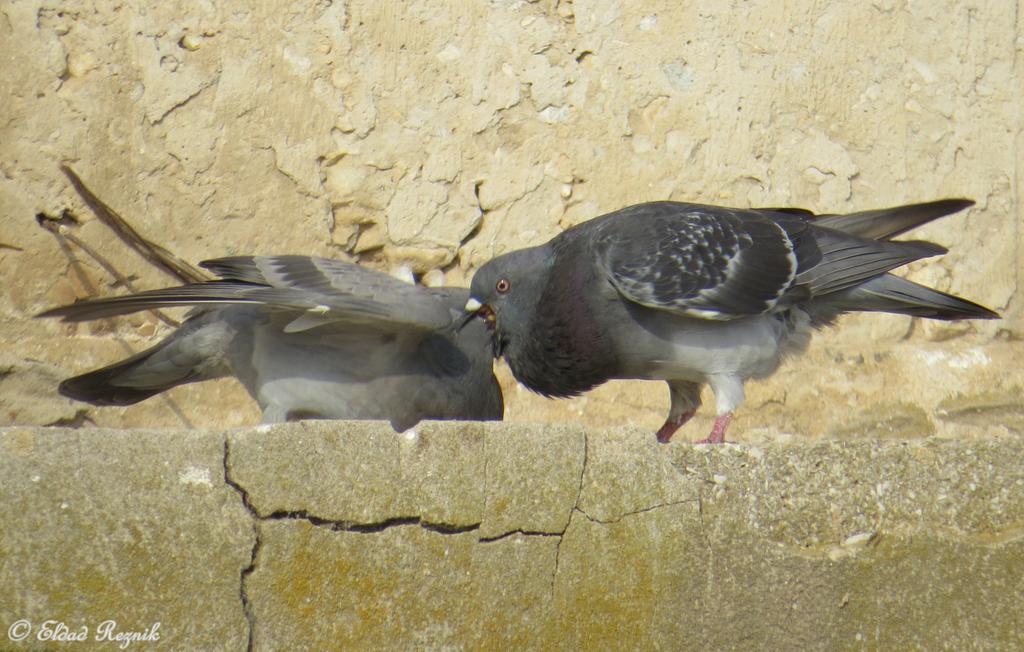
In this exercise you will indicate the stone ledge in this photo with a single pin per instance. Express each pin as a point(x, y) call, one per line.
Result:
point(334, 534)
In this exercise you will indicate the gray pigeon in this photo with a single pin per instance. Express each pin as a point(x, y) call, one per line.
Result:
point(308, 338)
point(695, 294)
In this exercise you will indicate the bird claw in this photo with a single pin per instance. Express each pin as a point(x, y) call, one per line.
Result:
point(717, 435)
point(665, 432)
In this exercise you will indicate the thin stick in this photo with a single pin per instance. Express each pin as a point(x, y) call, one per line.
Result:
point(62, 231)
point(154, 253)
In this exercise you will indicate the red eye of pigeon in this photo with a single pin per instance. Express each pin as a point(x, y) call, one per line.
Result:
point(503, 286)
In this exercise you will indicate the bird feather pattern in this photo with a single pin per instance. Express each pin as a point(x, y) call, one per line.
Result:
point(695, 294)
point(308, 338)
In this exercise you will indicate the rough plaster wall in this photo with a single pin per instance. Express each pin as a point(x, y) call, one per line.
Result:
point(437, 135)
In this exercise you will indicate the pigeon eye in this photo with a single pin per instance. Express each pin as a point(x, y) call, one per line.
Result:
point(502, 286)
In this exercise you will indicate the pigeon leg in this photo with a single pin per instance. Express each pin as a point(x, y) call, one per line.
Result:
point(728, 391)
point(717, 435)
point(685, 397)
point(672, 424)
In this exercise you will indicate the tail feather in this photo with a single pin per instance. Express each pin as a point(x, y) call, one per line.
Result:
point(194, 352)
point(886, 292)
point(847, 262)
point(889, 293)
point(106, 386)
point(887, 223)
point(210, 293)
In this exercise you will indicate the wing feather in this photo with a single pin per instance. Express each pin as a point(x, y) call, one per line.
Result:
point(722, 263)
point(701, 261)
point(318, 290)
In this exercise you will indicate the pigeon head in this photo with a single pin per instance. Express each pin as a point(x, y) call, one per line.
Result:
point(504, 293)
point(540, 319)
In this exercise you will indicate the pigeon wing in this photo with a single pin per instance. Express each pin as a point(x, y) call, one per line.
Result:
point(721, 263)
point(318, 291)
point(334, 290)
point(882, 223)
point(698, 261)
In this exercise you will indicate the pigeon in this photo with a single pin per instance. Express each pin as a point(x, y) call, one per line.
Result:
point(695, 294)
point(308, 338)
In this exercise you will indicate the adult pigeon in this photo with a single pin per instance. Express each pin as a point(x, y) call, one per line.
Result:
point(694, 294)
point(308, 338)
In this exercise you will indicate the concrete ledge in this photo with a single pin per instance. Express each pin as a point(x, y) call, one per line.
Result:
point(343, 535)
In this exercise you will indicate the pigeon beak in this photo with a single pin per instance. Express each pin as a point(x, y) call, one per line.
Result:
point(472, 308)
point(476, 309)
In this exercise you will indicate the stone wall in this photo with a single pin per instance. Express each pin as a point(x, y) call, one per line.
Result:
point(346, 535)
point(436, 134)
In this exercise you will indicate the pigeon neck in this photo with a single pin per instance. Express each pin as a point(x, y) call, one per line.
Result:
point(565, 352)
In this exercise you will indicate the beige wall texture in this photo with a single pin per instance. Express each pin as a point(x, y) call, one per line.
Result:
point(437, 134)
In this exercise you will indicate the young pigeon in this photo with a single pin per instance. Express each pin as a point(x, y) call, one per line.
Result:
point(308, 338)
point(695, 294)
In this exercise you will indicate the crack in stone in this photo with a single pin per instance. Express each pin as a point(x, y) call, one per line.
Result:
point(180, 103)
point(336, 525)
point(479, 206)
point(331, 524)
point(243, 578)
point(687, 472)
point(487, 472)
point(520, 531)
point(292, 177)
point(575, 508)
point(515, 531)
point(642, 510)
point(710, 566)
point(339, 525)
point(243, 591)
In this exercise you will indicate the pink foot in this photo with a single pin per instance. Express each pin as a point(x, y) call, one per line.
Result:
point(665, 432)
point(717, 435)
